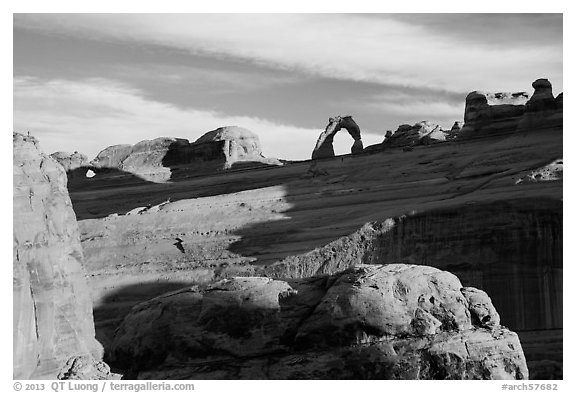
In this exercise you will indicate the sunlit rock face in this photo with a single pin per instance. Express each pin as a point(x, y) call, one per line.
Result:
point(53, 321)
point(369, 322)
point(421, 133)
point(70, 161)
point(165, 158)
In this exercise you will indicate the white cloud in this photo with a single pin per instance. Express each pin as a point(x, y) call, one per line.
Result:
point(90, 115)
point(333, 45)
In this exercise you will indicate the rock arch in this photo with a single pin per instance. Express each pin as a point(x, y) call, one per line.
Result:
point(325, 144)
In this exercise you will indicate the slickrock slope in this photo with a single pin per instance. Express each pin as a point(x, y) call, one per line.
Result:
point(53, 324)
point(165, 158)
point(441, 197)
point(369, 322)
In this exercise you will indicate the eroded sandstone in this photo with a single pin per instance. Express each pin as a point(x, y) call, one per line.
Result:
point(52, 308)
point(166, 158)
point(490, 114)
point(371, 321)
point(421, 133)
point(325, 145)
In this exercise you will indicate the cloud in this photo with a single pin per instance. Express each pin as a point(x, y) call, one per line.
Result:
point(348, 47)
point(89, 115)
point(412, 108)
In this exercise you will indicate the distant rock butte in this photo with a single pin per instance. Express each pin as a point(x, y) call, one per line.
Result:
point(489, 114)
point(53, 324)
point(325, 145)
point(369, 322)
point(157, 159)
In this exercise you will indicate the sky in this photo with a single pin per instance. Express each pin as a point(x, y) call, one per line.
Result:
point(83, 82)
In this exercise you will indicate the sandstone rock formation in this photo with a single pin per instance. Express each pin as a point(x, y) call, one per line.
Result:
point(234, 145)
point(324, 146)
point(542, 110)
point(455, 130)
point(421, 133)
point(542, 99)
point(112, 156)
point(485, 244)
point(158, 159)
point(70, 161)
point(145, 158)
point(370, 322)
point(489, 114)
point(53, 321)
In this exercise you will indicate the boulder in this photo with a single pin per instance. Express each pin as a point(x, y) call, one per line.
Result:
point(368, 322)
point(53, 320)
point(421, 133)
point(233, 145)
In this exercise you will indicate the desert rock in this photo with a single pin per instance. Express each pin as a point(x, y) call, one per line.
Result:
point(551, 172)
point(489, 114)
point(165, 158)
point(423, 132)
point(542, 99)
point(324, 146)
point(53, 320)
point(492, 114)
point(70, 161)
point(376, 322)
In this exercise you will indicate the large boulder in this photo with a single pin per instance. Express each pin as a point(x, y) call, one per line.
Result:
point(232, 145)
point(368, 322)
point(53, 324)
point(421, 133)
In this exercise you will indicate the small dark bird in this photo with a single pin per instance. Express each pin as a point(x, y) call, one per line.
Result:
point(179, 246)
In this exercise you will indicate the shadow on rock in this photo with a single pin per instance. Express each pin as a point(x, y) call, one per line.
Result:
point(112, 309)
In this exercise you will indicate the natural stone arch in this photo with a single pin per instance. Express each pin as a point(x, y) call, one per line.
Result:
point(325, 144)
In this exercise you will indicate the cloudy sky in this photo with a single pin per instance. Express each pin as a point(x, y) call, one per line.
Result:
point(86, 81)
